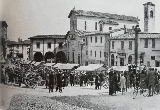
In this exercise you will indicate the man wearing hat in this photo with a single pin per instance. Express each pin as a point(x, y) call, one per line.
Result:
point(59, 81)
point(111, 81)
point(72, 76)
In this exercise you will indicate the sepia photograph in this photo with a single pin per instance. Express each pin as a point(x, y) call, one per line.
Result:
point(80, 55)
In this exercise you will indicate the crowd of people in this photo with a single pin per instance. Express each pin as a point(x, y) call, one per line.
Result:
point(121, 81)
point(117, 81)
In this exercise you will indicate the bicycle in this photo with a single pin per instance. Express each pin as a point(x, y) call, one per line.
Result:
point(142, 88)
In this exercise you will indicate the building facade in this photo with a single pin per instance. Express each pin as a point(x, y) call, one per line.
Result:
point(46, 47)
point(20, 49)
point(3, 35)
point(87, 24)
point(109, 39)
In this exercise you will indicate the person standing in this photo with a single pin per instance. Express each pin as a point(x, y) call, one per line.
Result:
point(111, 81)
point(151, 80)
point(51, 81)
point(97, 82)
point(59, 81)
point(72, 78)
point(122, 83)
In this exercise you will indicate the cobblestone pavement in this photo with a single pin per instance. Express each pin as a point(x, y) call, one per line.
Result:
point(96, 97)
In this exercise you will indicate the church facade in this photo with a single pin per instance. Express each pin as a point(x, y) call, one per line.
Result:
point(96, 37)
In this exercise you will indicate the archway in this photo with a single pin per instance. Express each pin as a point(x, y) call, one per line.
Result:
point(112, 60)
point(130, 59)
point(49, 55)
point(38, 57)
point(60, 57)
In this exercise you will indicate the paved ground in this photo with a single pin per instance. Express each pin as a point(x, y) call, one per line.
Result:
point(97, 97)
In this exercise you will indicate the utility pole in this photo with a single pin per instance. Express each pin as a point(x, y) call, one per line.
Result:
point(137, 30)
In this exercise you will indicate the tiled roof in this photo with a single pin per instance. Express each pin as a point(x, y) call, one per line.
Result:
point(102, 15)
point(123, 36)
point(149, 35)
point(140, 35)
point(108, 22)
point(149, 3)
point(116, 30)
point(48, 37)
point(10, 42)
point(25, 42)
point(85, 33)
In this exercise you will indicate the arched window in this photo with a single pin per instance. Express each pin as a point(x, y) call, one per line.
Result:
point(112, 60)
point(151, 14)
point(130, 60)
point(101, 27)
point(141, 59)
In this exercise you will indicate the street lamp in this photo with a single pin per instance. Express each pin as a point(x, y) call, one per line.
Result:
point(137, 30)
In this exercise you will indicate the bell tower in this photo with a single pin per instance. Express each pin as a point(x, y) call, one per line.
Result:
point(149, 17)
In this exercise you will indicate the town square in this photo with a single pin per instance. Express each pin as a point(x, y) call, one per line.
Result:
point(81, 55)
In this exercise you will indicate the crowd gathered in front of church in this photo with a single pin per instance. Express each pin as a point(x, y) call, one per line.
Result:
point(115, 81)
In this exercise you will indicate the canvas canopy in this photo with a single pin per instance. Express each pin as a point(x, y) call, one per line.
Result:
point(33, 62)
point(49, 64)
point(101, 69)
point(90, 67)
point(37, 63)
point(67, 66)
point(120, 68)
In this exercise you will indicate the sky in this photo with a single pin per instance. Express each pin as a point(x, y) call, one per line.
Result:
point(27, 18)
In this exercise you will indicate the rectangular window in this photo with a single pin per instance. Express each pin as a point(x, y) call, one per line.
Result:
point(146, 43)
point(152, 57)
point(38, 45)
point(68, 56)
point(100, 54)
point(112, 44)
point(91, 39)
point(73, 57)
point(95, 25)
point(85, 27)
point(49, 45)
point(153, 43)
point(122, 45)
point(86, 52)
point(130, 45)
point(60, 44)
point(95, 53)
point(86, 41)
point(101, 39)
point(110, 28)
point(91, 53)
point(95, 39)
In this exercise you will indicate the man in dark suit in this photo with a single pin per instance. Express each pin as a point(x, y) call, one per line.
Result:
point(111, 81)
point(59, 81)
point(151, 80)
point(51, 81)
point(72, 79)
